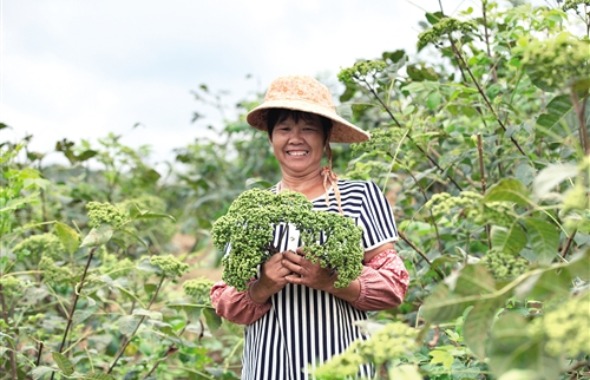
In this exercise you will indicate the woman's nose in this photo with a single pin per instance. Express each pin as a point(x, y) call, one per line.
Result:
point(295, 135)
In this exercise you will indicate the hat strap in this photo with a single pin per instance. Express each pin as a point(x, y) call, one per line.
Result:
point(330, 178)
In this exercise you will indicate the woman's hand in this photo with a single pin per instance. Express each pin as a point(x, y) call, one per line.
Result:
point(273, 278)
point(304, 272)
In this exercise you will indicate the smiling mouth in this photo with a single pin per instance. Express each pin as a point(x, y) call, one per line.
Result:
point(297, 153)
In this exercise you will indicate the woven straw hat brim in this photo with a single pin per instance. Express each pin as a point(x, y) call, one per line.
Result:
point(342, 130)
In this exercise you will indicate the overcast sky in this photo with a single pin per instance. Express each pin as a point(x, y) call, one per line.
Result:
point(78, 69)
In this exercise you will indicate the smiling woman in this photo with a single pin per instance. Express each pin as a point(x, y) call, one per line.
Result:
point(296, 317)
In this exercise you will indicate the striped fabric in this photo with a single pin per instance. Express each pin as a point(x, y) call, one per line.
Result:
point(305, 326)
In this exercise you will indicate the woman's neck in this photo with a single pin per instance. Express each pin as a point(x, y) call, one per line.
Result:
point(310, 186)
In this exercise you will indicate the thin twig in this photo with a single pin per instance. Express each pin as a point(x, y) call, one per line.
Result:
point(580, 108)
point(128, 338)
point(482, 93)
point(392, 116)
point(482, 174)
point(486, 34)
point(77, 291)
point(39, 352)
point(422, 254)
point(568, 244)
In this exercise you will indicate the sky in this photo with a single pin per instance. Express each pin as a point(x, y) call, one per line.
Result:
point(80, 69)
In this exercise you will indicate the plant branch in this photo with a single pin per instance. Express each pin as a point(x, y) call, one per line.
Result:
point(77, 291)
point(128, 338)
point(482, 174)
point(461, 62)
point(390, 114)
point(422, 254)
point(39, 352)
point(487, 38)
point(568, 244)
point(580, 109)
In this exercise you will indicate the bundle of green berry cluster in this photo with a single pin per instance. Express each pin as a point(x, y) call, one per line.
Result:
point(246, 234)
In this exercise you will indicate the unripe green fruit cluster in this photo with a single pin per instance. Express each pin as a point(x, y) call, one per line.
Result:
point(248, 229)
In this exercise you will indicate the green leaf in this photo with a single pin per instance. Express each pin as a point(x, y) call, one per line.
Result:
point(128, 324)
point(508, 190)
point(434, 17)
point(543, 238)
point(552, 283)
point(474, 280)
point(579, 266)
point(193, 311)
point(156, 315)
point(512, 347)
point(40, 372)
point(64, 364)
point(443, 306)
point(404, 372)
point(98, 236)
point(441, 356)
point(98, 376)
point(557, 108)
point(68, 237)
point(551, 176)
point(509, 240)
point(477, 325)
point(213, 320)
point(394, 56)
point(433, 100)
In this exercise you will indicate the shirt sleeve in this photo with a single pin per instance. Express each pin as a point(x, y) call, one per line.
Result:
point(236, 306)
point(384, 282)
point(376, 218)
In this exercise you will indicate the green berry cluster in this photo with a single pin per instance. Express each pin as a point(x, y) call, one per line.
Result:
point(566, 328)
point(443, 28)
point(361, 69)
point(504, 266)
point(47, 244)
point(11, 285)
point(114, 266)
point(106, 213)
point(555, 61)
point(53, 273)
point(199, 289)
point(394, 340)
point(169, 265)
point(382, 140)
point(248, 230)
point(470, 205)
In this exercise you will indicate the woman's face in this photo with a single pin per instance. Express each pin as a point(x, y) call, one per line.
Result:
point(298, 146)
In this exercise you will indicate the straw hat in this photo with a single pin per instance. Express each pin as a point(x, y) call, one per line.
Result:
point(304, 93)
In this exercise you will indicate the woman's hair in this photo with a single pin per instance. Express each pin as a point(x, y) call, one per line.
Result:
point(278, 115)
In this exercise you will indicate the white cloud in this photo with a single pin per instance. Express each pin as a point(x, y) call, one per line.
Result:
point(80, 69)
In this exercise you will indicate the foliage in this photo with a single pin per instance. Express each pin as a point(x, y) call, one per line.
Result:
point(480, 141)
point(495, 187)
point(246, 233)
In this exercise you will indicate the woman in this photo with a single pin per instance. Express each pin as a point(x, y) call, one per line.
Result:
point(295, 318)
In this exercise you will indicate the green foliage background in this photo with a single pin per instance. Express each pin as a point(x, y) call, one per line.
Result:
point(481, 143)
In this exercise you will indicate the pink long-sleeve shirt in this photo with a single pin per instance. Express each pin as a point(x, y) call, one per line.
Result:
point(383, 285)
